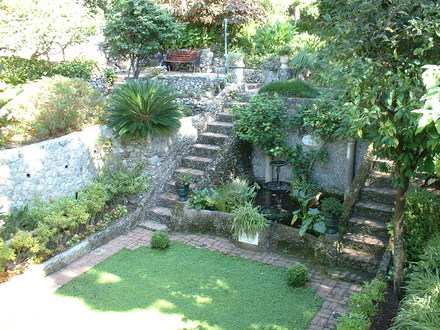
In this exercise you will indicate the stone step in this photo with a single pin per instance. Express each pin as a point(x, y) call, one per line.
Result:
point(225, 117)
point(245, 96)
point(205, 150)
point(199, 163)
point(220, 127)
point(350, 275)
point(197, 173)
point(252, 86)
point(367, 226)
point(378, 195)
point(154, 225)
point(217, 139)
point(373, 210)
point(359, 260)
point(383, 165)
point(167, 200)
point(235, 103)
point(365, 243)
point(379, 179)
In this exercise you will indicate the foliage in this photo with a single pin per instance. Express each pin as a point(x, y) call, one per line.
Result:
point(160, 240)
point(110, 76)
point(42, 27)
point(6, 254)
point(233, 194)
point(56, 106)
point(201, 199)
point(364, 306)
point(94, 5)
point(247, 219)
point(269, 39)
point(185, 178)
point(211, 13)
point(420, 308)
point(304, 161)
point(94, 197)
point(421, 221)
point(297, 275)
point(290, 88)
point(18, 70)
point(263, 121)
point(382, 46)
point(285, 50)
point(311, 218)
point(331, 208)
point(24, 245)
point(136, 29)
point(141, 109)
point(194, 37)
point(323, 118)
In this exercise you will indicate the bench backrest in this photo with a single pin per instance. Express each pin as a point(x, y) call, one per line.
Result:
point(183, 55)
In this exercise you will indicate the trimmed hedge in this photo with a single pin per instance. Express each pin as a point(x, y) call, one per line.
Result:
point(290, 88)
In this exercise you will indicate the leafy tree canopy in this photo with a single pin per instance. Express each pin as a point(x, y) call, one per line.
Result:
point(44, 26)
point(138, 28)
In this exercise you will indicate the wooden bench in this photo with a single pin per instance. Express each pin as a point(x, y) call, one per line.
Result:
point(182, 56)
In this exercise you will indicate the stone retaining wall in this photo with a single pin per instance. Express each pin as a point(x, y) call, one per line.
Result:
point(195, 84)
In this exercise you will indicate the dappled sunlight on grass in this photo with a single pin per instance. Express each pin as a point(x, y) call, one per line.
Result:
point(185, 287)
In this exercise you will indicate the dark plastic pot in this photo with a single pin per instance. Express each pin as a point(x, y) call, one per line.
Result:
point(182, 191)
point(331, 225)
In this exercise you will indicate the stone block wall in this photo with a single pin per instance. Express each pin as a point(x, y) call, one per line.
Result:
point(194, 84)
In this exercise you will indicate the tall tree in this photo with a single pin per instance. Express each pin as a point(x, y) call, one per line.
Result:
point(383, 44)
point(137, 29)
point(44, 26)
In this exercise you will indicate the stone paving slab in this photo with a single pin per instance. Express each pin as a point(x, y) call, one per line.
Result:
point(334, 292)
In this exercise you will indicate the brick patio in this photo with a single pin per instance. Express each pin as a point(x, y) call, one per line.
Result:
point(335, 293)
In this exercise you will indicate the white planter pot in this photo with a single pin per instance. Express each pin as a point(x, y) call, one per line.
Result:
point(284, 59)
point(244, 238)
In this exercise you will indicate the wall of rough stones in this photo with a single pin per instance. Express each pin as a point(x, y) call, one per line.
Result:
point(199, 84)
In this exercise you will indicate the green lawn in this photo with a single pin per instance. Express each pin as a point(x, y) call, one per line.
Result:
point(195, 289)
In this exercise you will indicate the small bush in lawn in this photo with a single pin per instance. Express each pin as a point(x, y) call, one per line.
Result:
point(297, 275)
point(290, 88)
point(160, 240)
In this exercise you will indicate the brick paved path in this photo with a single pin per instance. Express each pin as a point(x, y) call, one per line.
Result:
point(335, 293)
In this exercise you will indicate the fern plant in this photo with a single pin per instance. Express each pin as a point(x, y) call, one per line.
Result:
point(141, 109)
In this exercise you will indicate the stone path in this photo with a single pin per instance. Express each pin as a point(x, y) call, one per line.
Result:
point(335, 293)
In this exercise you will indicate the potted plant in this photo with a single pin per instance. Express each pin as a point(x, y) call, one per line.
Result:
point(247, 222)
point(331, 209)
point(183, 181)
point(284, 53)
point(236, 59)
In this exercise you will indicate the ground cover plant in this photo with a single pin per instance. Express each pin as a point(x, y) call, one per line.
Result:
point(199, 288)
point(290, 88)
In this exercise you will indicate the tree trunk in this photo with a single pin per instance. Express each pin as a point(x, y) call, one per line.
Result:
point(399, 215)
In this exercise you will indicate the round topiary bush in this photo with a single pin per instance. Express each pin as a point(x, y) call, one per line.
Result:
point(160, 240)
point(297, 275)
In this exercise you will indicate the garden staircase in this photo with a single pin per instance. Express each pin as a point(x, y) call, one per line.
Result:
point(364, 244)
point(201, 157)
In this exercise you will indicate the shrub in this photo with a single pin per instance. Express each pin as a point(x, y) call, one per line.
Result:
point(364, 306)
point(201, 199)
point(160, 240)
point(290, 88)
point(6, 254)
point(421, 221)
point(297, 275)
point(17, 70)
point(264, 122)
point(57, 106)
point(141, 109)
point(247, 219)
point(94, 197)
point(24, 244)
point(420, 308)
point(269, 38)
point(234, 194)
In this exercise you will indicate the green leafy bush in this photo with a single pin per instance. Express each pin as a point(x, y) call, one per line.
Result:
point(297, 275)
point(141, 109)
point(269, 38)
point(247, 219)
point(6, 254)
point(364, 306)
point(233, 194)
point(57, 106)
point(290, 88)
point(24, 245)
point(160, 240)
point(421, 221)
point(420, 308)
point(264, 122)
point(94, 197)
point(201, 199)
point(194, 37)
point(17, 70)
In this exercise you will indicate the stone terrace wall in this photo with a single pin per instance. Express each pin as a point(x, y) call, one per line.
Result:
point(200, 84)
